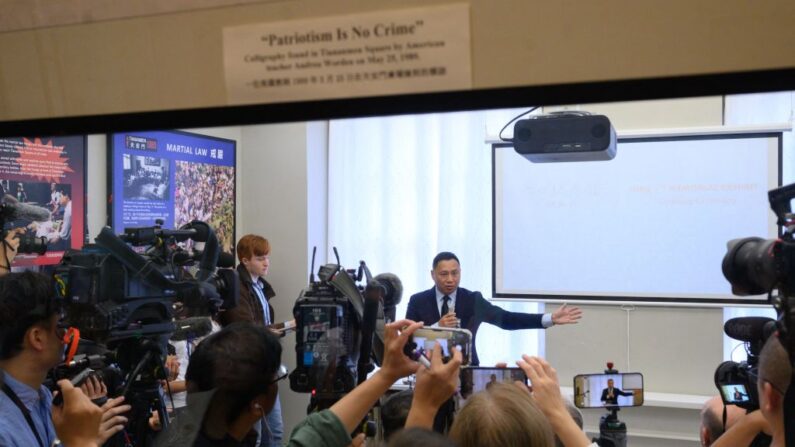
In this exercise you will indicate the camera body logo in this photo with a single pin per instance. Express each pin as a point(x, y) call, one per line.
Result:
point(140, 143)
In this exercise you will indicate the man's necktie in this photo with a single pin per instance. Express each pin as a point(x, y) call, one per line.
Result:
point(445, 307)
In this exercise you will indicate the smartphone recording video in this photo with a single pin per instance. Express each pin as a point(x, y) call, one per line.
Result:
point(608, 390)
point(474, 379)
point(424, 339)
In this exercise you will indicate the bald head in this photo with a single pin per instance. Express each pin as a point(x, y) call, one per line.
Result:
point(774, 365)
point(775, 372)
point(712, 419)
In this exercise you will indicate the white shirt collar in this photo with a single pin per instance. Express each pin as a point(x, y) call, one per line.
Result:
point(440, 295)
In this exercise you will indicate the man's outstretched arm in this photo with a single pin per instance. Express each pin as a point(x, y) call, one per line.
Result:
point(518, 320)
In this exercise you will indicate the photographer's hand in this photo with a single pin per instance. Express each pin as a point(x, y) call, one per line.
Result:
point(112, 422)
point(77, 421)
point(172, 364)
point(9, 250)
point(396, 364)
point(94, 388)
point(546, 394)
point(434, 387)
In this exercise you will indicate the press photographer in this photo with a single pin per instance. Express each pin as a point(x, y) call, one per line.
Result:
point(123, 303)
point(753, 266)
point(30, 346)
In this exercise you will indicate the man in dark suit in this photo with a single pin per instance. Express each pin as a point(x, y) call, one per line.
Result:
point(610, 394)
point(448, 305)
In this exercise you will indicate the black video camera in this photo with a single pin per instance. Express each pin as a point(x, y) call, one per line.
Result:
point(111, 292)
point(737, 381)
point(339, 328)
point(123, 302)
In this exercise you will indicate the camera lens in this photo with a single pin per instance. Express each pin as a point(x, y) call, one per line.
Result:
point(750, 266)
point(32, 244)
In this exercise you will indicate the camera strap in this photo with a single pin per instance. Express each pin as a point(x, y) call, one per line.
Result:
point(14, 398)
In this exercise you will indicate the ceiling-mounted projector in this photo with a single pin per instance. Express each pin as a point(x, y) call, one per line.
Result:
point(565, 136)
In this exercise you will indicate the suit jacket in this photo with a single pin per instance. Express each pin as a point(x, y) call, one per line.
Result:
point(472, 309)
point(613, 400)
point(249, 307)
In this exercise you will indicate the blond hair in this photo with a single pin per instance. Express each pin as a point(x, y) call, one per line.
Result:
point(502, 415)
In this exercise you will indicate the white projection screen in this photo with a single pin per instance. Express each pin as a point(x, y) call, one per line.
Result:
point(649, 226)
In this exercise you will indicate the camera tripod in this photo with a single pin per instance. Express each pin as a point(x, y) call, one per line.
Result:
point(612, 432)
point(142, 392)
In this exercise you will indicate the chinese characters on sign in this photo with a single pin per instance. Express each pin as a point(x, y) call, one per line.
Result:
point(390, 52)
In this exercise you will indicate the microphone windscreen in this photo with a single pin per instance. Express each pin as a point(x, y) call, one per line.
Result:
point(191, 327)
point(747, 328)
point(226, 260)
point(17, 210)
point(394, 288)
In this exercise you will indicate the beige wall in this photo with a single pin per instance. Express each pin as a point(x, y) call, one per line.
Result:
point(174, 61)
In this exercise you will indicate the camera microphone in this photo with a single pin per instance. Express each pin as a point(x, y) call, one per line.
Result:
point(749, 328)
point(191, 327)
point(394, 292)
point(13, 209)
point(393, 287)
point(225, 260)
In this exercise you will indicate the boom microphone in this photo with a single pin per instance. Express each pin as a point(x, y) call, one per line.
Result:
point(749, 328)
point(191, 328)
point(12, 209)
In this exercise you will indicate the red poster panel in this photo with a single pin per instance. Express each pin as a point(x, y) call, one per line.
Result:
point(42, 185)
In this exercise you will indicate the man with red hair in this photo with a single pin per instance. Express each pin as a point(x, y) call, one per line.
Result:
point(253, 252)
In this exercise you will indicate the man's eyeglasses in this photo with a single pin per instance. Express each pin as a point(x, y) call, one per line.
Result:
point(281, 374)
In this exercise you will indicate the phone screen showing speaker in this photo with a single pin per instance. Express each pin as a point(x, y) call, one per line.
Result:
point(476, 379)
point(608, 390)
point(426, 338)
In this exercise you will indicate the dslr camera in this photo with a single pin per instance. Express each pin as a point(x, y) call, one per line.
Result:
point(737, 381)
